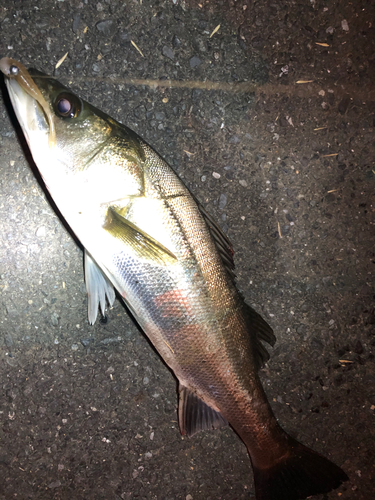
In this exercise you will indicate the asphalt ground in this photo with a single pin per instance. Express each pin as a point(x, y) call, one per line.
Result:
point(270, 122)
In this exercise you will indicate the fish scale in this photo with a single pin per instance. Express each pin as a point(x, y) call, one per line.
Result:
point(146, 235)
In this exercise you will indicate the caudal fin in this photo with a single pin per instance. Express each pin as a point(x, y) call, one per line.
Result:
point(302, 474)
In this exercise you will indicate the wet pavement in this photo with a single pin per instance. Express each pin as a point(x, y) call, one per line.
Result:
point(270, 122)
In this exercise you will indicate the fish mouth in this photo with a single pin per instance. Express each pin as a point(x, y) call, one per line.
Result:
point(32, 110)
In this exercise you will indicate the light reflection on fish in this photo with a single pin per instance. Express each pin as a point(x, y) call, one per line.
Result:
point(147, 236)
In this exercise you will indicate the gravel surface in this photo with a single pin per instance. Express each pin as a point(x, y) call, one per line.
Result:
point(286, 168)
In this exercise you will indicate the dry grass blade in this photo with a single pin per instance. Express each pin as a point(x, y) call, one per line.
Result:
point(215, 30)
point(136, 46)
point(60, 61)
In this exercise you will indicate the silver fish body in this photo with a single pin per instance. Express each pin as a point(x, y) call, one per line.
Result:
point(145, 235)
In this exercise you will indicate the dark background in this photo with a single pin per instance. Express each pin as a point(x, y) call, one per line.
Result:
point(288, 171)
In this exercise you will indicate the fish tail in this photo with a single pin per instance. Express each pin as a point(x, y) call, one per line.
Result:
point(297, 476)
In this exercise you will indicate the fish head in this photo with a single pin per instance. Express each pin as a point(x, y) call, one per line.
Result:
point(88, 160)
point(61, 129)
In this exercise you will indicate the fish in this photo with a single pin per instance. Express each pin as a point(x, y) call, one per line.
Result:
point(146, 235)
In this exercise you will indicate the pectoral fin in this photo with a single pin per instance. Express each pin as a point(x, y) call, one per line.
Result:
point(98, 287)
point(142, 244)
point(194, 415)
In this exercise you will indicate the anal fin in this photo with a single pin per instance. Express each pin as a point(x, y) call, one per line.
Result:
point(98, 287)
point(194, 415)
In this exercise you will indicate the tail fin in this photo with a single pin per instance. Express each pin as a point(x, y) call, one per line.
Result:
point(302, 474)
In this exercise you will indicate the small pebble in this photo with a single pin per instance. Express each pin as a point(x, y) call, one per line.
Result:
point(140, 111)
point(40, 232)
point(222, 201)
point(54, 319)
point(106, 27)
point(160, 115)
point(176, 42)
point(54, 485)
point(345, 25)
point(216, 175)
point(168, 52)
point(234, 139)
point(76, 21)
point(86, 342)
point(195, 61)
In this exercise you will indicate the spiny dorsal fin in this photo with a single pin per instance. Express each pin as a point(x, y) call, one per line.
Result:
point(194, 415)
point(222, 242)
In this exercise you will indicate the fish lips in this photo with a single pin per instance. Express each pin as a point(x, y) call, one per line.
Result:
point(29, 112)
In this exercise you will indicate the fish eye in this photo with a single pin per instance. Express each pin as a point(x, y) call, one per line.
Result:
point(14, 70)
point(67, 105)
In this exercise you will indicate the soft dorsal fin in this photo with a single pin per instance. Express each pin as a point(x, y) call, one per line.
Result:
point(194, 415)
point(98, 287)
point(258, 328)
point(260, 331)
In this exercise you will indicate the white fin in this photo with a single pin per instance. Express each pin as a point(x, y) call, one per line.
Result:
point(98, 286)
